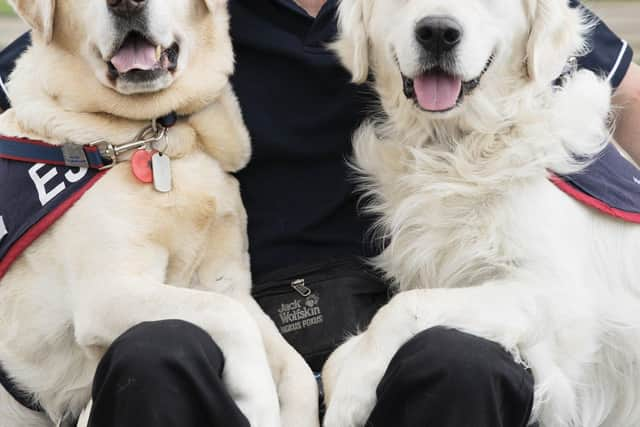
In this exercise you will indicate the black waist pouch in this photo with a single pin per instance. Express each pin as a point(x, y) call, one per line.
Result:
point(317, 306)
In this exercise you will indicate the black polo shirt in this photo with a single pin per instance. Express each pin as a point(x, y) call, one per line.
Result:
point(301, 111)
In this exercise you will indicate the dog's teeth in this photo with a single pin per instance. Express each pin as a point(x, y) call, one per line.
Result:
point(158, 52)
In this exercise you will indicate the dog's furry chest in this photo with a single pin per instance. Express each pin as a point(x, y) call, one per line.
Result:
point(450, 232)
point(182, 221)
point(479, 236)
point(453, 243)
point(171, 231)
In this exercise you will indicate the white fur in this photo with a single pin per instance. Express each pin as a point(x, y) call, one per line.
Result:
point(125, 253)
point(478, 238)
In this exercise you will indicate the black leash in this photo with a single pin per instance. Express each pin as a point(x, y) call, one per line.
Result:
point(98, 155)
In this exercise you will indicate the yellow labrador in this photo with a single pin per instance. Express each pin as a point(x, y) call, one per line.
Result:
point(126, 253)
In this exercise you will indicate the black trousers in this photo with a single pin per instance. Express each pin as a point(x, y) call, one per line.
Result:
point(168, 374)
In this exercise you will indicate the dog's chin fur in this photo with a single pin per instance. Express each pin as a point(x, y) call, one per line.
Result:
point(475, 236)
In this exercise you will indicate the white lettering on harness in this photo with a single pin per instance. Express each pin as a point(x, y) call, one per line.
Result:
point(74, 177)
point(41, 181)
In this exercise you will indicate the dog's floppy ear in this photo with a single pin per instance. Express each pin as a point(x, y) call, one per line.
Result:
point(556, 35)
point(38, 14)
point(352, 44)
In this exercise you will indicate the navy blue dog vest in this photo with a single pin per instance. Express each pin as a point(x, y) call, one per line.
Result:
point(33, 196)
point(610, 184)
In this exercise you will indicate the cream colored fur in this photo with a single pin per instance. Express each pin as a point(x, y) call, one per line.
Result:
point(126, 253)
point(478, 238)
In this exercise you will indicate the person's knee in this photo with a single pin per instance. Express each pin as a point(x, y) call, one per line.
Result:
point(147, 350)
point(452, 378)
point(458, 363)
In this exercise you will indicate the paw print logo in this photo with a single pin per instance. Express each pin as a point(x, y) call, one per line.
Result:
point(312, 301)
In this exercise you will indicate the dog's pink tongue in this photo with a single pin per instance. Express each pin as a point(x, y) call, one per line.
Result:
point(437, 91)
point(135, 55)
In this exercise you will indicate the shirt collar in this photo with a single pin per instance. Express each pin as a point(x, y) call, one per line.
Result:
point(294, 7)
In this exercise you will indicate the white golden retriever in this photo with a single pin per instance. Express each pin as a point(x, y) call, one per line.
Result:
point(125, 253)
point(479, 239)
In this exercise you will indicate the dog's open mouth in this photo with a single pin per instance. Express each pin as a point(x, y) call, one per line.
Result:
point(140, 59)
point(438, 91)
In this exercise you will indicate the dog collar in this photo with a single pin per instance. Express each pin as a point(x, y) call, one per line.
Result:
point(98, 155)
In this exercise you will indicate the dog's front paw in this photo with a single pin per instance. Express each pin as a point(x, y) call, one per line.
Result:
point(298, 393)
point(254, 393)
point(351, 376)
point(247, 374)
point(354, 370)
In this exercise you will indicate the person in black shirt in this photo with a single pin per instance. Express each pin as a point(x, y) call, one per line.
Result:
point(301, 111)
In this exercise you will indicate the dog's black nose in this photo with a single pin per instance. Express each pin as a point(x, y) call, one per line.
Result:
point(126, 7)
point(438, 34)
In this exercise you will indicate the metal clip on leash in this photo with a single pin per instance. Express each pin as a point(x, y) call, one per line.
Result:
point(145, 139)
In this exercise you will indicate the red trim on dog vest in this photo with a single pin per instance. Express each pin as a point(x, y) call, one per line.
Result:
point(41, 226)
point(593, 202)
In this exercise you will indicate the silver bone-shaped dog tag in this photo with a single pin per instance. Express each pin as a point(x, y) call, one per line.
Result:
point(161, 166)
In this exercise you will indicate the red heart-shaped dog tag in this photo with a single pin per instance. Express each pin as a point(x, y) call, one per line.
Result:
point(141, 166)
